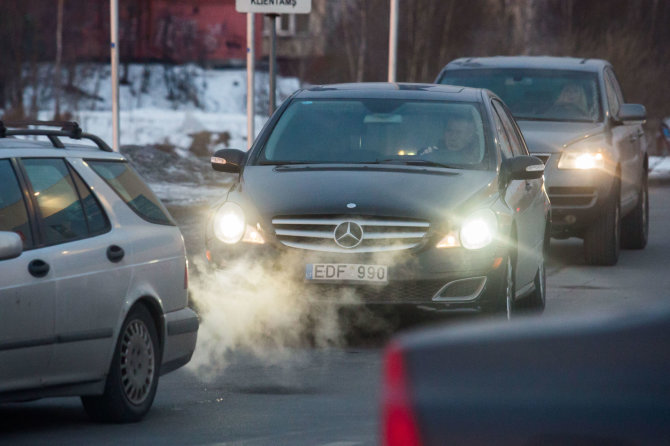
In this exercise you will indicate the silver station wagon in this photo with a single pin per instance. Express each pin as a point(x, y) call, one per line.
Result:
point(93, 277)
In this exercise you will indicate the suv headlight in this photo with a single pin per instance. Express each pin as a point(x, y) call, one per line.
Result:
point(479, 229)
point(583, 160)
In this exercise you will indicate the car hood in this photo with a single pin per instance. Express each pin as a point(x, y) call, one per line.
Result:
point(411, 192)
point(554, 136)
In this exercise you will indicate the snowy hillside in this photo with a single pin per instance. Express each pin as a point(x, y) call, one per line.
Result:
point(160, 105)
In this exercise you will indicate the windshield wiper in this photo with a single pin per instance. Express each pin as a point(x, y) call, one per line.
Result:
point(284, 163)
point(412, 162)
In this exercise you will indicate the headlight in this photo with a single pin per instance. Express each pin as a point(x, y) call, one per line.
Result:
point(479, 229)
point(229, 223)
point(581, 160)
point(230, 226)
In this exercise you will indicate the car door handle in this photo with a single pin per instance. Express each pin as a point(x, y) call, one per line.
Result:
point(633, 138)
point(115, 253)
point(38, 268)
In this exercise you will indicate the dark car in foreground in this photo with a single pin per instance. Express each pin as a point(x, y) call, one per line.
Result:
point(400, 193)
point(591, 380)
point(573, 116)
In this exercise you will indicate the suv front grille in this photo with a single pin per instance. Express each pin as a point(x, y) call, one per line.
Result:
point(572, 196)
point(378, 234)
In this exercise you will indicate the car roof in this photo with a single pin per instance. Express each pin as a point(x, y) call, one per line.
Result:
point(14, 147)
point(538, 62)
point(385, 90)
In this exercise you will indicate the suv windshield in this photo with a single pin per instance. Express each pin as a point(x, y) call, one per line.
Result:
point(369, 131)
point(545, 95)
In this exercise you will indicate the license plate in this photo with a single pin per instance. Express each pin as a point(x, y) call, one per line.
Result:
point(346, 272)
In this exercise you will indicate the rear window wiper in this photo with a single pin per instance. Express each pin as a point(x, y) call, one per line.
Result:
point(413, 162)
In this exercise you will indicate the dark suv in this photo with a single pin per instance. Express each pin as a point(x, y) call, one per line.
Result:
point(401, 193)
point(573, 116)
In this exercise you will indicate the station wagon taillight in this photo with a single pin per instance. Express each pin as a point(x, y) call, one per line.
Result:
point(186, 275)
point(399, 427)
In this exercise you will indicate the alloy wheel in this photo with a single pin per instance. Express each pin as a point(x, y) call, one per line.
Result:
point(137, 362)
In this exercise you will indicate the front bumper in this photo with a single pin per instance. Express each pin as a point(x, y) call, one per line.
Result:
point(440, 279)
point(577, 197)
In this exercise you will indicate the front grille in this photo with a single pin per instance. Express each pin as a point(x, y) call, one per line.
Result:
point(378, 234)
point(572, 196)
point(395, 292)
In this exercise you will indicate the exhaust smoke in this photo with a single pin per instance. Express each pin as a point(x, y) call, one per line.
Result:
point(264, 308)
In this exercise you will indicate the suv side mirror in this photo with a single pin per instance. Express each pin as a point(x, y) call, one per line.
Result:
point(522, 168)
point(10, 245)
point(228, 160)
point(632, 112)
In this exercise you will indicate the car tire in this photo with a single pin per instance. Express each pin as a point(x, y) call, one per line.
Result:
point(133, 376)
point(536, 301)
point(603, 239)
point(509, 288)
point(635, 226)
point(501, 300)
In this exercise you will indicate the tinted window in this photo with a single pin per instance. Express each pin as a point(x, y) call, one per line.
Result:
point(13, 214)
point(378, 130)
point(551, 95)
point(57, 200)
point(508, 123)
point(95, 216)
point(613, 93)
point(503, 140)
point(130, 187)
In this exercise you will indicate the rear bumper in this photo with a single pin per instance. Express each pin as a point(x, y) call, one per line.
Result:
point(181, 328)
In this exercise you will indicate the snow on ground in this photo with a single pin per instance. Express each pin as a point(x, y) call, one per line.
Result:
point(166, 112)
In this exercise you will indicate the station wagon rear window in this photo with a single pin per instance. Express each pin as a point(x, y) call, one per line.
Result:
point(130, 187)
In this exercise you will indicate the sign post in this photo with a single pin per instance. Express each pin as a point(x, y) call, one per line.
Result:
point(251, 68)
point(272, 8)
point(393, 41)
point(114, 44)
point(273, 62)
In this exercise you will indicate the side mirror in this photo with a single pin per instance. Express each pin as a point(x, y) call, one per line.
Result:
point(228, 160)
point(632, 112)
point(523, 168)
point(10, 245)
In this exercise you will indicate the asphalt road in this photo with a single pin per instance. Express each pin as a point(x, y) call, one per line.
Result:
point(326, 396)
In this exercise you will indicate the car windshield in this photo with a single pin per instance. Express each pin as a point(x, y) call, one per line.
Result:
point(546, 95)
point(379, 131)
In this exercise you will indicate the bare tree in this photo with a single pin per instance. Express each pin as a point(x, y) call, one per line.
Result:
point(59, 57)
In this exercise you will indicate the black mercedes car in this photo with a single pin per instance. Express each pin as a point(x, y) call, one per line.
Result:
point(400, 193)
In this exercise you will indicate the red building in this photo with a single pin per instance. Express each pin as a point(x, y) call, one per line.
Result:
point(204, 31)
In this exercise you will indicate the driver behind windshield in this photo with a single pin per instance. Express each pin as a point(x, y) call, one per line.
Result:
point(458, 143)
point(571, 99)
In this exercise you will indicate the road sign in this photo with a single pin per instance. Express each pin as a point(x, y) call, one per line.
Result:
point(274, 6)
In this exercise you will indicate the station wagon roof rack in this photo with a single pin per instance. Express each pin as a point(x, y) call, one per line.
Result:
point(68, 129)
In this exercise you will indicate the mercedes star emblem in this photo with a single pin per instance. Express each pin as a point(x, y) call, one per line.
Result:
point(348, 234)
